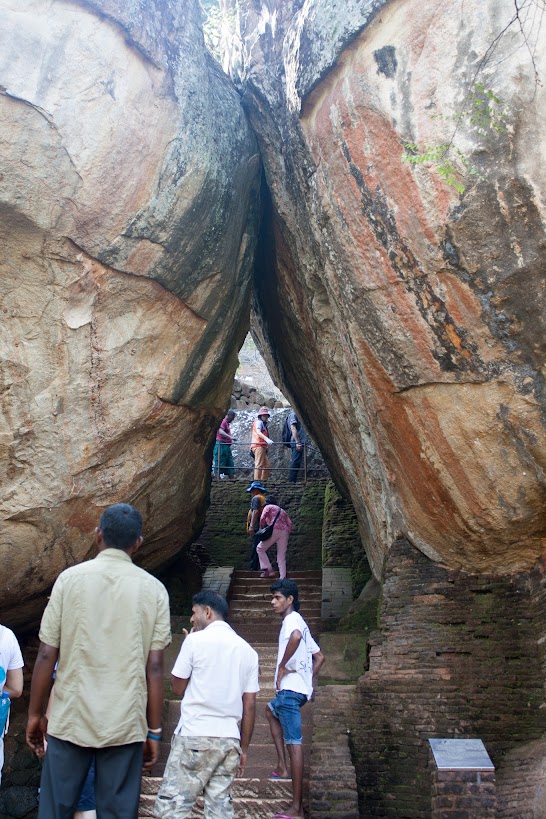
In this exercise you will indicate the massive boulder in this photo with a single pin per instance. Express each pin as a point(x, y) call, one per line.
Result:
point(406, 319)
point(127, 224)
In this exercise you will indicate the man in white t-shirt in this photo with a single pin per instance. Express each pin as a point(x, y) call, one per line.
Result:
point(299, 659)
point(11, 673)
point(216, 674)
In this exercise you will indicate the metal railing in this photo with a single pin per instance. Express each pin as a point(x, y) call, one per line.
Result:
point(302, 472)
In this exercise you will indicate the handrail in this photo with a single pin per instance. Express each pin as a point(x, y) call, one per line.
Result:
point(216, 469)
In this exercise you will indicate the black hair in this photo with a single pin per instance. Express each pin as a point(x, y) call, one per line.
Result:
point(272, 499)
point(231, 412)
point(287, 587)
point(213, 600)
point(121, 526)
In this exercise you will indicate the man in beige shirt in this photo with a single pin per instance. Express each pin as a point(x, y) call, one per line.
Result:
point(108, 623)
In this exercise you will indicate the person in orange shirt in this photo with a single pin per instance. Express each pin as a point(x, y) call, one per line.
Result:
point(260, 444)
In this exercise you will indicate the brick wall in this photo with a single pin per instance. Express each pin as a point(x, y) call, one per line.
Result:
point(223, 541)
point(341, 543)
point(456, 656)
point(463, 794)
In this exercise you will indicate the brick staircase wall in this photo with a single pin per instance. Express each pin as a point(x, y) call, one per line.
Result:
point(341, 543)
point(332, 777)
point(456, 656)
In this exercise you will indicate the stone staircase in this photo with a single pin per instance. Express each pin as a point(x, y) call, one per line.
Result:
point(256, 796)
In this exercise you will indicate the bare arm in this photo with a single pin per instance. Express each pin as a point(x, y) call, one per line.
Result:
point(291, 648)
point(295, 435)
point(39, 692)
point(318, 662)
point(154, 708)
point(179, 685)
point(247, 728)
point(253, 520)
point(14, 683)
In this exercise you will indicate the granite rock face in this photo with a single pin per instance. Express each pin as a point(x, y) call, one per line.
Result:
point(127, 223)
point(404, 320)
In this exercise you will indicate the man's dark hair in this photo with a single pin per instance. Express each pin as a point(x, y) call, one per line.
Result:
point(287, 588)
point(272, 499)
point(121, 526)
point(213, 600)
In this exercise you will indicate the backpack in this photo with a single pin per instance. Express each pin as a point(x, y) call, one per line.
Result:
point(287, 433)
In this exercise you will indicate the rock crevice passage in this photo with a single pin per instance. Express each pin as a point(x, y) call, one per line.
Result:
point(405, 320)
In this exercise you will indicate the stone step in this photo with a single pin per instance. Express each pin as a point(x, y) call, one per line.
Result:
point(299, 576)
point(254, 633)
point(245, 788)
point(262, 599)
point(262, 586)
point(244, 808)
point(264, 619)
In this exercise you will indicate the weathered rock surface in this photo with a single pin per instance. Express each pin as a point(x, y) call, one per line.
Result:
point(404, 320)
point(127, 228)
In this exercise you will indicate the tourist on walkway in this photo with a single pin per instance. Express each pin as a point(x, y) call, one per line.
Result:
point(260, 444)
point(11, 676)
point(216, 674)
point(297, 445)
point(222, 459)
point(299, 660)
point(107, 622)
point(282, 526)
point(257, 503)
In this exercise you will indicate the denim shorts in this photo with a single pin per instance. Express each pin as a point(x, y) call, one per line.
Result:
point(286, 707)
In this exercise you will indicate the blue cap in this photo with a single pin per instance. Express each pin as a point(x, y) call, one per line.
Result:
point(256, 485)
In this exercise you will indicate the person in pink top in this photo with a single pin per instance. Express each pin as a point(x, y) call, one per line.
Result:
point(272, 513)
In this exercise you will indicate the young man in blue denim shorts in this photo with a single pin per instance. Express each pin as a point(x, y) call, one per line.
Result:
point(298, 661)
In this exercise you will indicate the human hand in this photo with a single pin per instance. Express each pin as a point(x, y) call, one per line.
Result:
point(269, 441)
point(280, 674)
point(151, 753)
point(299, 446)
point(242, 765)
point(35, 734)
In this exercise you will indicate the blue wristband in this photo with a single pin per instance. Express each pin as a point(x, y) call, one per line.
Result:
point(157, 737)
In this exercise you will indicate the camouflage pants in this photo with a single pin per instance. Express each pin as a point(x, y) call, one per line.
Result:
point(198, 765)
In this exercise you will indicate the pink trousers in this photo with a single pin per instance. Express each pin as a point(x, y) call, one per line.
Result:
point(280, 537)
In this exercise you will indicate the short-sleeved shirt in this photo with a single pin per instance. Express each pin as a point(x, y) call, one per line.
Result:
point(221, 667)
point(257, 503)
point(10, 654)
point(227, 429)
point(283, 522)
point(104, 616)
point(293, 419)
point(300, 665)
point(259, 425)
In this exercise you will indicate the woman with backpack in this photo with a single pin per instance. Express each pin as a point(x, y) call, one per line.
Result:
point(275, 517)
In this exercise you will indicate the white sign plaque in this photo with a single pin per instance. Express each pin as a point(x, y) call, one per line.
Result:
point(460, 755)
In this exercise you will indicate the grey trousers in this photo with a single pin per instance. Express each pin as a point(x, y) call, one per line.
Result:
point(117, 779)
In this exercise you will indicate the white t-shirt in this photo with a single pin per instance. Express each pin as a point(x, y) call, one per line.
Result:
point(221, 667)
point(10, 658)
point(10, 654)
point(300, 665)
